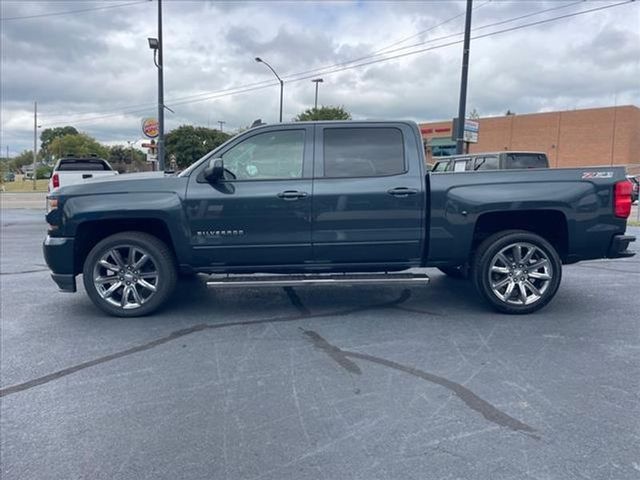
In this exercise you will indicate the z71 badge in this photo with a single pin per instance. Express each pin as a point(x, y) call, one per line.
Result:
point(588, 175)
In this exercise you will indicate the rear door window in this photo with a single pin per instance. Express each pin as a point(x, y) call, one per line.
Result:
point(363, 152)
point(525, 160)
point(82, 164)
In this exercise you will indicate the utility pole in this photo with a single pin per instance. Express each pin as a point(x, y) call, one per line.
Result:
point(221, 123)
point(35, 141)
point(316, 81)
point(463, 80)
point(160, 93)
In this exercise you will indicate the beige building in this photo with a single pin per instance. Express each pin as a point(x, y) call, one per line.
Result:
point(595, 136)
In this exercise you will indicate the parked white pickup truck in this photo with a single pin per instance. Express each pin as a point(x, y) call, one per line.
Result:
point(73, 170)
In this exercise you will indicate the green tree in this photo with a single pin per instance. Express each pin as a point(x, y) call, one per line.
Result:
point(324, 113)
point(25, 158)
point(79, 144)
point(43, 171)
point(189, 143)
point(127, 159)
point(49, 134)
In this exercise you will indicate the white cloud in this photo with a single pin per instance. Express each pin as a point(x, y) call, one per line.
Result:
point(83, 67)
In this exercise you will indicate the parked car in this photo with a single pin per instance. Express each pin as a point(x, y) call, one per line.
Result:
point(73, 170)
point(491, 161)
point(9, 177)
point(331, 203)
point(635, 187)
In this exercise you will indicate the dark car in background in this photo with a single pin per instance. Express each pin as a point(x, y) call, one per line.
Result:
point(491, 161)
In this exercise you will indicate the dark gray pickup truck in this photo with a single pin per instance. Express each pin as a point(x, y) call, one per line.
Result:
point(331, 203)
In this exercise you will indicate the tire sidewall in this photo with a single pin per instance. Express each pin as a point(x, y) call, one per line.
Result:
point(154, 247)
point(493, 245)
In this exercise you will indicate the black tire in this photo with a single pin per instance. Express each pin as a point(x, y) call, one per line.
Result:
point(489, 270)
point(460, 272)
point(160, 260)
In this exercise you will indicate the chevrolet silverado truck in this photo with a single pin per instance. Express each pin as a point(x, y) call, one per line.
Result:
point(332, 203)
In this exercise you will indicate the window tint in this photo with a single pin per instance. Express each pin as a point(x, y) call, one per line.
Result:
point(526, 160)
point(363, 152)
point(269, 155)
point(486, 163)
point(77, 164)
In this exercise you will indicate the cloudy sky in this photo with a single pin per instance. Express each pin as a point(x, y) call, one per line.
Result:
point(88, 63)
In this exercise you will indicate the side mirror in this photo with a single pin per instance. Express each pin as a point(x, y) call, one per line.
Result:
point(214, 170)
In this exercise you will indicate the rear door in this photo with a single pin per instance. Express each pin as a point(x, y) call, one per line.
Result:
point(260, 214)
point(368, 198)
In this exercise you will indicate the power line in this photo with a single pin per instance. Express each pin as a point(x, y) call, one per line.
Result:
point(68, 12)
point(240, 89)
point(133, 108)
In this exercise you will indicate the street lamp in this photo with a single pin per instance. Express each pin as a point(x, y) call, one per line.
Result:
point(155, 44)
point(316, 81)
point(259, 60)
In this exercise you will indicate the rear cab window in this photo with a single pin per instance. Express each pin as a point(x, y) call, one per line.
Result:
point(525, 160)
point(82, 164)
point(363, 152)
point(487, 162)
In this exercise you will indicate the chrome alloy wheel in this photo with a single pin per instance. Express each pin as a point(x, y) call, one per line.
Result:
point(126, 276)
point(520, 273)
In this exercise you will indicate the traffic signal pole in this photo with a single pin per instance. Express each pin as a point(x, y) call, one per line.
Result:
point(463, 80)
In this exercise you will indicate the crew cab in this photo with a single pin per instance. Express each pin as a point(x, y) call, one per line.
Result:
point(491, 161)
point(72, 170)
point(332, 202)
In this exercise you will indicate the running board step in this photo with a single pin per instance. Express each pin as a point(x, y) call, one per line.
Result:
point(261, 280)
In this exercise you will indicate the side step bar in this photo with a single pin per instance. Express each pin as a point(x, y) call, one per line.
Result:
point(260, 280)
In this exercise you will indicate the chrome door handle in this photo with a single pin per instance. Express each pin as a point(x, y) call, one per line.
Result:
point(291, 195)
point(402, 191)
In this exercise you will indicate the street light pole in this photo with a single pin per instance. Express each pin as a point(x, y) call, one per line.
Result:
point(160, 93)
point(316, 81)
point(35, 141)
point(463, 80)
point(259, 60)
point(221, 123)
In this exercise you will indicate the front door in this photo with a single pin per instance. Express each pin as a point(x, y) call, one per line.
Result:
point(369, 195)
point(260, 214)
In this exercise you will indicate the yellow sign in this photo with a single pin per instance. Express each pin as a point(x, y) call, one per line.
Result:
point(150, 127)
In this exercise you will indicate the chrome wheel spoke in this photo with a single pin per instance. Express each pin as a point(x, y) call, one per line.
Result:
point(109, 266)
point(125, 296)
point(523, 293)
point(148, 274)
point(542, 263)
point(111, 290)
point(143, 259)
point(527, 258)
point(539, 275)
point(144, 284)
point(501, 283)
point(502, 257)
point(131, 256)
point(496, 269)
point(136, 295)
point(117, 257)
point(517, 253)
point(509, 290)
point(109, 279)
point(532, 288)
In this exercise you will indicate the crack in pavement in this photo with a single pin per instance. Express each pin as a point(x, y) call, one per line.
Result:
point(22, 272)
point(473, 401)
point(12, 389)
point(296, 301)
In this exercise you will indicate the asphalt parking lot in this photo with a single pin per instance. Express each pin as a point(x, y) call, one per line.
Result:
point(318, 383)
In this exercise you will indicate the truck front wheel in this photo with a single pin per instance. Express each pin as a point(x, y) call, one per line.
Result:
point(129, 274)
point(516, 271)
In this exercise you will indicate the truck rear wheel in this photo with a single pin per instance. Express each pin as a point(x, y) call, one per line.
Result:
point(129, 274)
point(516, 271)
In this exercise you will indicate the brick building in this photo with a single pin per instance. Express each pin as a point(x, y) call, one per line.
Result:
point(594, 136)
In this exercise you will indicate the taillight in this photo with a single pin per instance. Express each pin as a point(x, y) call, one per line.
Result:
point(622, 199)
point(56, 180)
